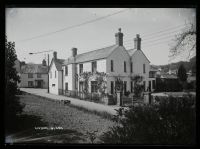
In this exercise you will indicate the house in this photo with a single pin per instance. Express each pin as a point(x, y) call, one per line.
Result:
point(114, 60)
point(34, 75)
point(152, 78)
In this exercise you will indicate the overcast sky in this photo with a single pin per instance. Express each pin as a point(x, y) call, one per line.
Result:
point(156, 26)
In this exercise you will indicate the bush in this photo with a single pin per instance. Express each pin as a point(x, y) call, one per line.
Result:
point(172, 121)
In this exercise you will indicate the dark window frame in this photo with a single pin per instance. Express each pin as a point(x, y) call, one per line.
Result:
point(94, 87)
point(66, 70)
point(144, 69)
point(112, 87)
point(39, 75)
point(30, 75)
point(94, 66)
point(112, 66)
point(124, 66)
point(80, 68)
point(131, 67)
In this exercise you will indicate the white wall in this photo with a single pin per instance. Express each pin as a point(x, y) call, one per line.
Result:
point(53, 80)
point(138, 59)
point(68, 78)
point(119, 55)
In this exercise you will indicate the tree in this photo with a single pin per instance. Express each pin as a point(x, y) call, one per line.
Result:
point(138, 87)
point(184, 42)
point(171, 121)
point(182, 75)
point(12, 104)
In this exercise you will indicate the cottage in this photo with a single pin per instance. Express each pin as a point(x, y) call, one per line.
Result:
point(115, 61)
point(34, 75)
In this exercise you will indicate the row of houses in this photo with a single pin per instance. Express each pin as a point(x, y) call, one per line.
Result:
point(114, 60)
point(32, 75)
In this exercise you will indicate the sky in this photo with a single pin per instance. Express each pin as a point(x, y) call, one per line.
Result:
point(157, 28)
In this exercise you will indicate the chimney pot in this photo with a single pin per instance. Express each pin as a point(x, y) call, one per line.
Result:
point(55, 55)
point(44, 62)
point(119, 38)
point(74, 52)
point(137, 42)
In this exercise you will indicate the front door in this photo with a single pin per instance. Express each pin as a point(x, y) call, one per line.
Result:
point(39, 84)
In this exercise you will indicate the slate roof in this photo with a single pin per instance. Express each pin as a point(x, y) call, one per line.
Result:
point(34, 68)
point(96, 54)
point(59, 63)
point(132, 51)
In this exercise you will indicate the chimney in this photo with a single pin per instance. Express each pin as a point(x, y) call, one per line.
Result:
point(55, 55)
point(137, 42)
point(74, 52)
point(44, 63)
point(119, 38)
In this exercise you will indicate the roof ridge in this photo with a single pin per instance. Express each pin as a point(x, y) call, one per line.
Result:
point(95, 50)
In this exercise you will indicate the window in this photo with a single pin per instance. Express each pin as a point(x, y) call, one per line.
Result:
point(144, 68)
point(112, 87)
point(125, 86)
point(80, 68)
point(30, 75)
point(131, 86)
point(144, 83)
point(154, 84)
point(66, 86)
point(94, 66)
point(53, 85)
point(93, 86)
point(66, 70)
point(39, 75)
point(55, 74)
point(111, 64)
point(124, 66)
point(131, 66)
point(30, 83)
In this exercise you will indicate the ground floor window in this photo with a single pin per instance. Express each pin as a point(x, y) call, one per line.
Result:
point(93, 86)
point(154, 84)
point(125, 84)
point(144, 84)
point(112, 87)
point(81, 86)
point(30, 83)
point(149, 85)
point(66, 86)
point(131, 86)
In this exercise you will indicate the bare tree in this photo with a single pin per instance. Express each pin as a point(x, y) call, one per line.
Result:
point(184, 42)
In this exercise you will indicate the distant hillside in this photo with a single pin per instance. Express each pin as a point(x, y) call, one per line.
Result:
point(191, 65)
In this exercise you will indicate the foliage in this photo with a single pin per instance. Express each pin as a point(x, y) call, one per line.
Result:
point(118, 84)
point(101, 82)
point(100, 77)
point(85, 76)
point(182, 75)
point(167, 85)
point(12, 104)
point(184, 41)
point(172, 121)
point(138, 87)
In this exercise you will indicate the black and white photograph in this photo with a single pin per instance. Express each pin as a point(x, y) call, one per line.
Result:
point(98, 76)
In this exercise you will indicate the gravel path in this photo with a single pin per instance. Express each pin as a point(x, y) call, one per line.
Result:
point(59, 115)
